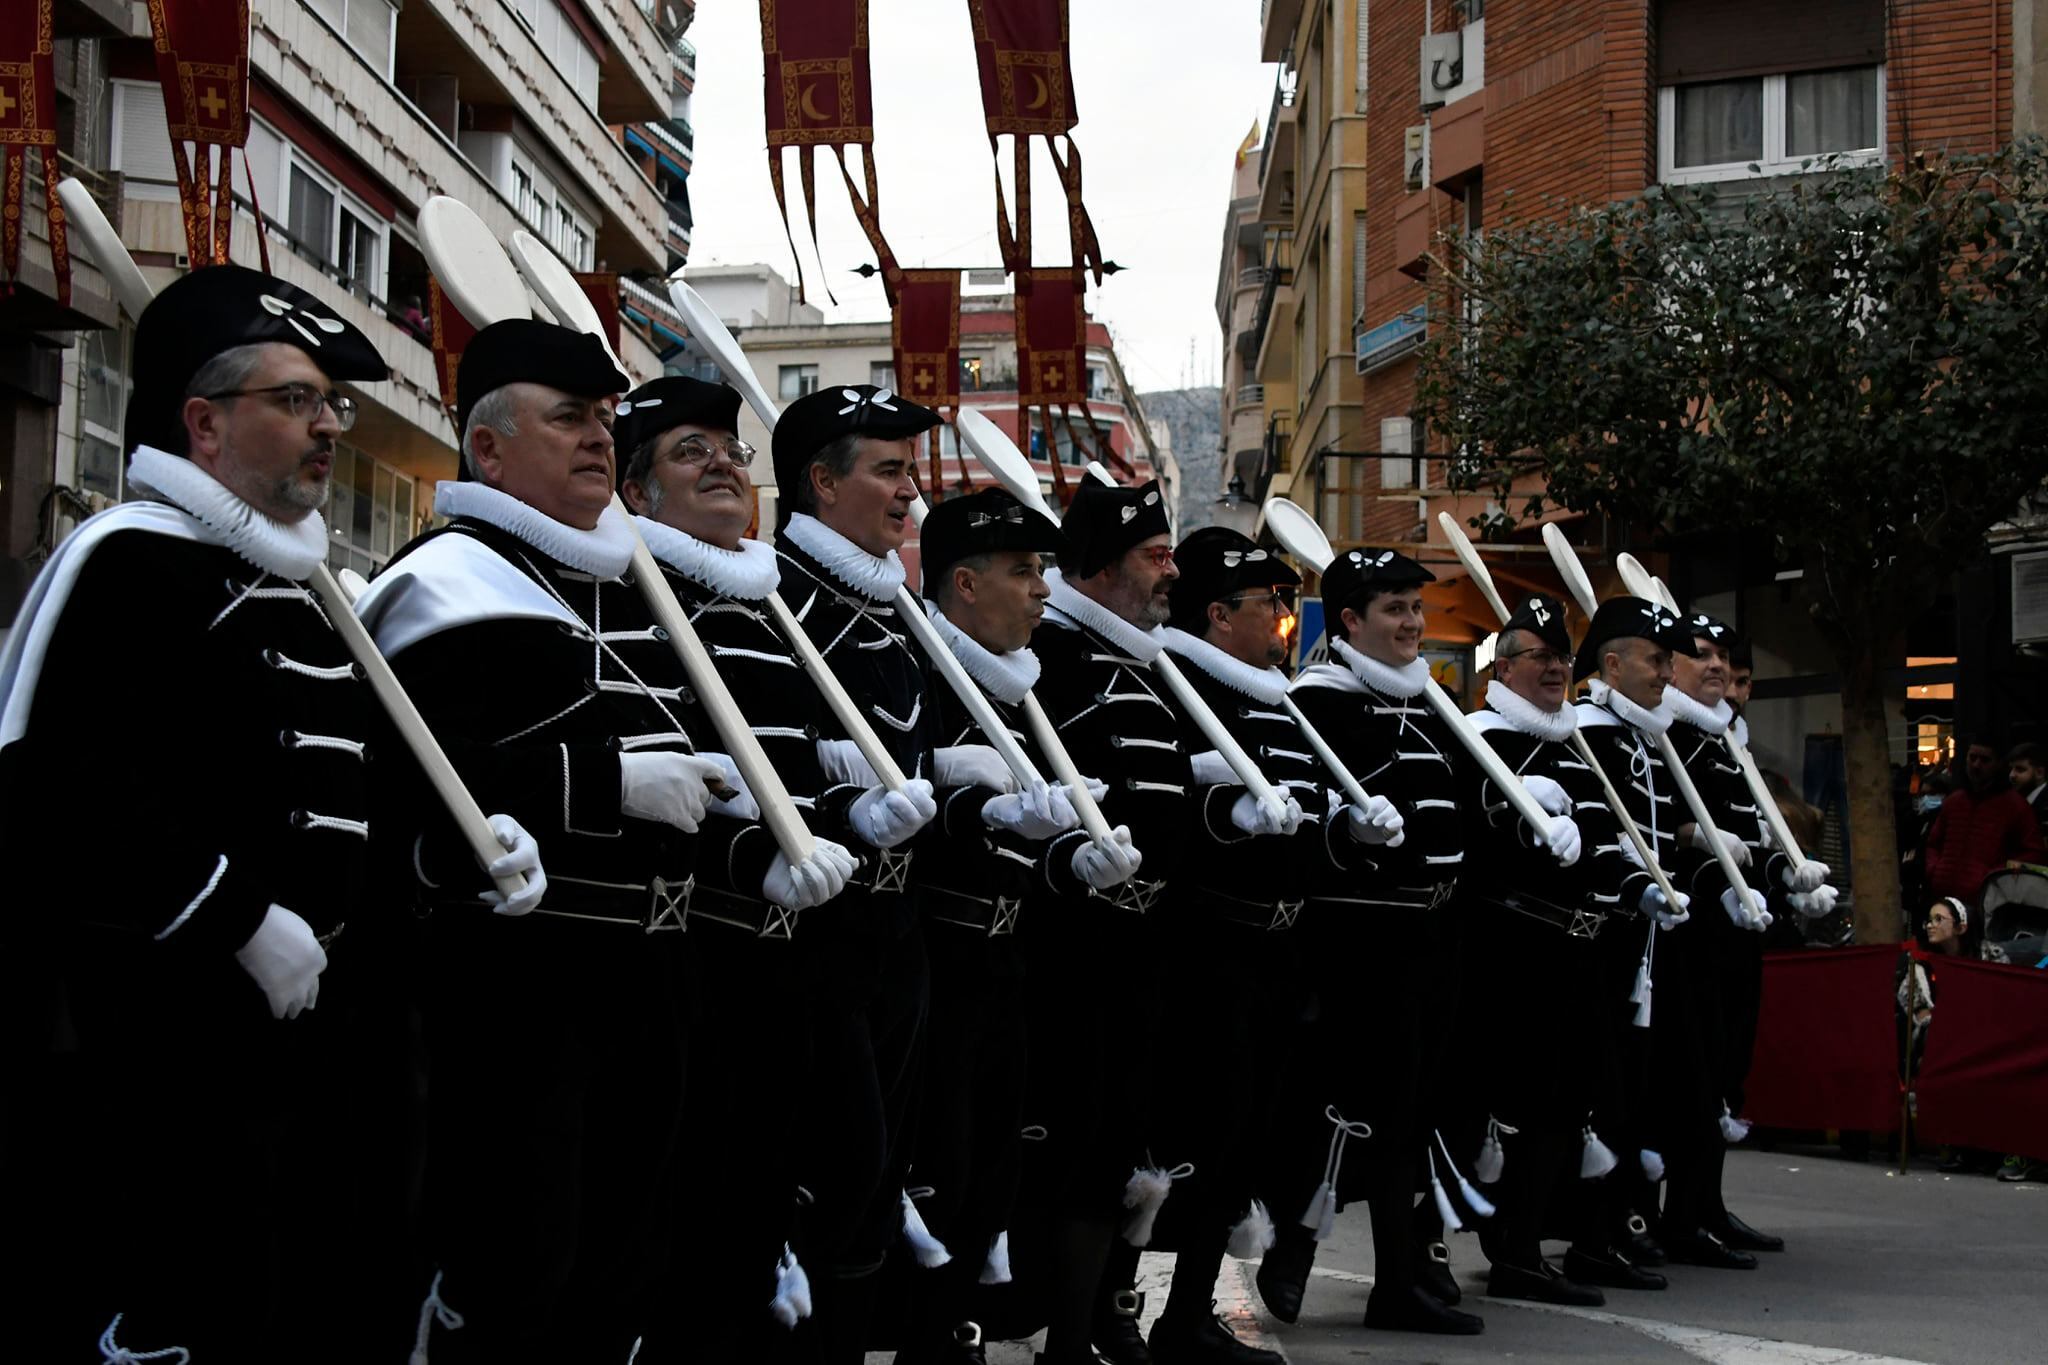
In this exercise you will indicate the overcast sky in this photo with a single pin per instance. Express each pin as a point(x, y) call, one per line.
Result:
point(1167, 90)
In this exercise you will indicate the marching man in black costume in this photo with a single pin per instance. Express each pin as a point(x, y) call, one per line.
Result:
point(686, 474)
point(554, 1042)
point(185, 1145)
point(844, 465)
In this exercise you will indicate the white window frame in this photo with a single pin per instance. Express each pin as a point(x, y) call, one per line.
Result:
point(1774, 161)
point(380, 276)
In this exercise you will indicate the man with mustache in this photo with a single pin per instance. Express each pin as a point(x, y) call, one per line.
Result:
point(191, 1022)
point(992, 847)
point(688, 477)
point(845, 460)
point(554, 1041)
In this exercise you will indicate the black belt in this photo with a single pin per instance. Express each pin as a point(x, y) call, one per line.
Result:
point(656, 907)
point(1268, 916)
point(991, 917)
point(758, 918)
point(1399, 897)
point(1573, 920)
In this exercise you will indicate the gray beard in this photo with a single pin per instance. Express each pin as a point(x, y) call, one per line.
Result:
point(291, 491)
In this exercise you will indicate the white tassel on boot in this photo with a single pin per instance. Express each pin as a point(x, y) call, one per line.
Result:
point(1443, 1201)
point(1492, 1160)
point(1732, 1129)
point(1595, 1160)
point(996, 1269)
point(792, 1301)
point(1480, 1205)
point(931, 1253)
point(1253, 1235)
point(1320, 1217)
point(432, 1311)
point(1145, 1194)
point(1653, 1165)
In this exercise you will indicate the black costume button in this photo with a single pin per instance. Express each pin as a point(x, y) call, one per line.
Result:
point(811, 732)
point(590, 686)
point(661, 634)
point(359, 673)
point(613, 742)
point(271, 657)
point(300, 819)
point(288, 738)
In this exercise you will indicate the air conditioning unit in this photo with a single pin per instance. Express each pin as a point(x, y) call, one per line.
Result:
point(2029, 598)
point(1415, 157)
point(1443, 67)
point(1397, 435)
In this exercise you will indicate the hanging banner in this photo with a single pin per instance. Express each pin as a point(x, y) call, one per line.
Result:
point(202, 62)
point(28, 123)
point(452, 332)
point(602, 289)
point(1027, 91)
point(924, 336)
point(1052, 364)
point(819, 94)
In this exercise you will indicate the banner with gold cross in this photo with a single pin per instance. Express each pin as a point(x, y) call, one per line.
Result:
point(202, 62)
point(1052, 364)
point(28, 122)
point(924, 335)
point(819, 93)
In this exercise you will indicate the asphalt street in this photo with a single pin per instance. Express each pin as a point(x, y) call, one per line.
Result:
point(1880, 1268)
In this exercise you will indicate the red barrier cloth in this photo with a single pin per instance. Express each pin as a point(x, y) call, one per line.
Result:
point(819, 93)
point(28, 124)
point(1827, 1041)
point(1984, 1079)
point(202, 62)
point(1027, 90)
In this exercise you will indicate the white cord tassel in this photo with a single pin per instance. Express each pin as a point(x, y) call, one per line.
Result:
point(996, 1269)
point(1732, 1129)
point(1479, 1204)
point(432, 1310)
point(115, 1354)
point(1320, 1217)
point(1145, 1193)
point(1595, 1159)
point(1653, 1165)
point(792, 1301)
point(1492, 1160)
point(1253, 1235)
point(1443, 1201)
point(929, 1250)
point(1640, 995)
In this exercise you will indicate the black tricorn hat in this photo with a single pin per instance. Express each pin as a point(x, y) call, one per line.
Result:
point(1352, 576)
point(529, 351)
point(216, 309)
point(1216, 562)
point(818, 419)
point(976, 524)
point(672, 401)
point(1105, 520)
point(1542, 616)
point(1705, 627)
point(1622, 618)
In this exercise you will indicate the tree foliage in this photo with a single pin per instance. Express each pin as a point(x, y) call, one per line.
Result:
point(1855, 361)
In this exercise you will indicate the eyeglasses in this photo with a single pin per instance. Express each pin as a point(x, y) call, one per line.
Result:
point(1543, 658)
point(1159, 555)
point(1281, 600)
point(1233, 558)
point(303, 401)
point(698, 450)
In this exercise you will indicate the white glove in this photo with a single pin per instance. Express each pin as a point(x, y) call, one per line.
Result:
point(1103, 868)
point(1036, 814)
point(1548, 794)
point(1212, 769)
point(843, 762)
point(812, 882)
point(1377, 822)
point(1254, 816)
point(521, 855)
point(284, 958)
point(1815, 903)
point(1097, 788)
point(741, 805)
point(885, 818)
point(1808, 876)
point(1732, 903)
point(972, 765)
point(672, 788)
point(1737, 850)
point(1654, 904)
point(1562, 839)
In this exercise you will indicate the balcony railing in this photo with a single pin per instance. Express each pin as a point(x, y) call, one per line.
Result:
point(1263, 314)
point(1251, 277)
point(1283, 98)
point(1251, 395)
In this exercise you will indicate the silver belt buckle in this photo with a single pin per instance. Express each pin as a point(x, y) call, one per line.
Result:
point(1441, 894)
point(1285, 913)
point(1133, 895)
point(1003, 918)
point(668, 908)
point(892, 871)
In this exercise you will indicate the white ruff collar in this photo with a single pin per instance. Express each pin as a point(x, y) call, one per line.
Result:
point(1406, 681)
point(1142, 645)
point(1268, 685)
point(288, 549)
point(602, 553)
point(1522, 714)
point(1649, 722)
point(1006, 676)
point(747, 574)
point(875, 579)
point(1714, 721)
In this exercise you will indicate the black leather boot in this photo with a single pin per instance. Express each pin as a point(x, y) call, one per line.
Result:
point(1611, 1269)
point(1409, 1308)
point(1283, 1272)
point(1642, 1246)
point(1205, 1340)
point(1541, 1285)
point(1741, 1235)
point(966, 1347)
point(1700, 1247)
point(1434, 1274)
point(1116, 1335)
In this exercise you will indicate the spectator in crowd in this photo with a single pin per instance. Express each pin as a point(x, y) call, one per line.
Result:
point(415, 321)
point(2027, 770)
point(1982, 827)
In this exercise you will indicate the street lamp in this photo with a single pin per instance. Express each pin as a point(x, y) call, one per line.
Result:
point(1236, 510)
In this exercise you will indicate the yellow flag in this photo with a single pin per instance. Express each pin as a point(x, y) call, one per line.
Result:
point(1251, 140)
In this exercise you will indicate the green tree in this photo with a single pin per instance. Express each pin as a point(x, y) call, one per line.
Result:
point(1854, 362)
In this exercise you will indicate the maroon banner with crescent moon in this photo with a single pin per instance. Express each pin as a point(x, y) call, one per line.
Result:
point(1027, 90)
point(819, 94)
point(28, 122)
point(202, 62)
